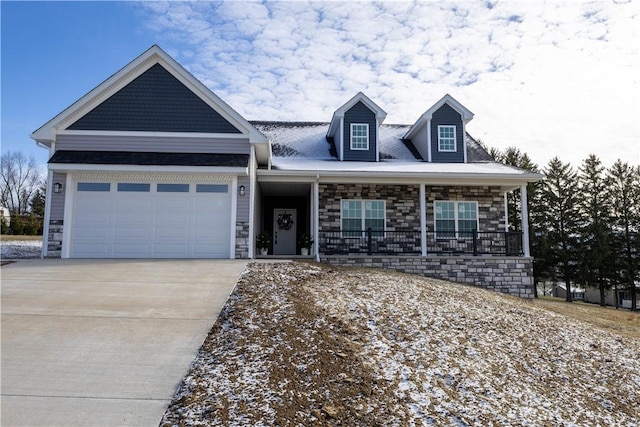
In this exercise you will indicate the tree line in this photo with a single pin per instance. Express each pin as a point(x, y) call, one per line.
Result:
point(22, 193)
point(584, 223)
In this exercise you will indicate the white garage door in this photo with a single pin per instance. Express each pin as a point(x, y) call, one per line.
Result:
point(150, 220)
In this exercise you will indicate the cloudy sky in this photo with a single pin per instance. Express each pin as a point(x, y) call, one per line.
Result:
point(553, 78)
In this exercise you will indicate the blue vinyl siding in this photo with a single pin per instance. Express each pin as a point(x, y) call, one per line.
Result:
point(154, 102)
point(360, 113)
point(446, 115)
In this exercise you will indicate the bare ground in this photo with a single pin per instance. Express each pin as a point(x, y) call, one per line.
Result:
point(303, 344)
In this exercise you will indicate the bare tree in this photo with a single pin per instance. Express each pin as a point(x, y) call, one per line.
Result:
point(21, 178)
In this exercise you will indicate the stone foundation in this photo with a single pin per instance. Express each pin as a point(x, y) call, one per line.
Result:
point(509, 275)
point(54, 239)
point(242, 240)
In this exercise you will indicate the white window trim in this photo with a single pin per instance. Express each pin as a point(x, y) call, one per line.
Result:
point(455, 139)
point(363, 211)
point(455, 215)
point(351, 136)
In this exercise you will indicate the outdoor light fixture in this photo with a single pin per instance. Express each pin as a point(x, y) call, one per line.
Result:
point(243, 190)
point(57, 187)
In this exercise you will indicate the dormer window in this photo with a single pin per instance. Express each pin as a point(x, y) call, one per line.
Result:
point(446, 138)
point(359, 136)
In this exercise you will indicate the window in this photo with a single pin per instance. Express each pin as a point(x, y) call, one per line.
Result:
point(360, 215)
point(125, 186)
point(456, 219)
point(212, 188)
point(446, 138)
point(359, 136)
point(94, 186)
point(173, 188)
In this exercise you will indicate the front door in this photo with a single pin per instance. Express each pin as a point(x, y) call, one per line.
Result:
point(284, 231)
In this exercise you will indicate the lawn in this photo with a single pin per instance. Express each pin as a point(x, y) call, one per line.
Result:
point(20, 247)
point(620, 321)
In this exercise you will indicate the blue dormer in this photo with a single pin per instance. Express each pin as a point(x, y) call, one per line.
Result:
point(439, 134)
point(354, 129)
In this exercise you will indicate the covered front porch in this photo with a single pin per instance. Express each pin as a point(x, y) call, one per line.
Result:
point(410, 220)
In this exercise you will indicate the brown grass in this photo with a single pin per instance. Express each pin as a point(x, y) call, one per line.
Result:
point(21, 238)
point(620, 321)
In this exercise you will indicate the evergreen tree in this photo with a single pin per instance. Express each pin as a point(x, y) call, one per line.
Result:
point(623, 182)
point(559, 219)
point(36, 204)
point(595, 230)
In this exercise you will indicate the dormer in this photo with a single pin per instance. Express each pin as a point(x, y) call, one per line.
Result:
point(354, 129)
point(439, 134)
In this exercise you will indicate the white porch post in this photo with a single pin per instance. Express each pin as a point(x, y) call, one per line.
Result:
point(525, 220)
point(423, 220)
point(506, 213)
point(316, 216)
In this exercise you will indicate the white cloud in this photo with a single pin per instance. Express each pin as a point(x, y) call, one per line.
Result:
point(552, 78)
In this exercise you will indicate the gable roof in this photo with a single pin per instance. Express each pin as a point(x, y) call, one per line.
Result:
point(46, 134)
point(359, 97)
point(427, 115)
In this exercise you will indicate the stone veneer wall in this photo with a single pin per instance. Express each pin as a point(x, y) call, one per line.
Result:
point(402, 204)
point(54, 239)
point(509, 275)
point(242, 240)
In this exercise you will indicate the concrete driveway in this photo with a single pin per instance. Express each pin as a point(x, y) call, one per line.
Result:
point(103, 342)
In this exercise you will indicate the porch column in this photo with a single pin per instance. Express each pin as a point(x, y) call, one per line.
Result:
point(423, 220)
point(315, 205)
point(525, 220)
point(506, 213)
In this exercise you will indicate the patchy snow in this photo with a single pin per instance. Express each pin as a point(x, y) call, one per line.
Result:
point(308, 344)
point(428, 170)
point(20, 249)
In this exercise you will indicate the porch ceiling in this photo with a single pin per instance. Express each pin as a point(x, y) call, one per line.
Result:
point(284, 189)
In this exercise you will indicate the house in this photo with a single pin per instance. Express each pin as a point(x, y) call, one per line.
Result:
point(613, 296)
point(152, 164)
point(5, 215)
point(560, 290)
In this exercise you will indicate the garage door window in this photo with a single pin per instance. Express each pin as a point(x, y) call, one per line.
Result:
point(173, 188)
point(212, 188)
point(94, 186)
point(126, 186)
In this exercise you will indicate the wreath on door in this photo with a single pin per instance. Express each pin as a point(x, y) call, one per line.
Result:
point(285, 221)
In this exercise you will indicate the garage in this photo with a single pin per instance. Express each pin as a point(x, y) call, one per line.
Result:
point(150, 219)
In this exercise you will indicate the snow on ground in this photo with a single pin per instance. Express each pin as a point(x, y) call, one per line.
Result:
point(20, 249)
point(306, 344)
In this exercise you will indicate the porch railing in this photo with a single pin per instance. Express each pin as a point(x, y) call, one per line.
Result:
point(371, 242)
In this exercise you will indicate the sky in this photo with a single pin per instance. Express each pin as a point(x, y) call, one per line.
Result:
point(552, 78)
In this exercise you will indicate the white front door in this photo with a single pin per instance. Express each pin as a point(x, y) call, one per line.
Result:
point(284, 231)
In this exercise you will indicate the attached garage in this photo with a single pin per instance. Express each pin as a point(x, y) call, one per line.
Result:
point(137, 218)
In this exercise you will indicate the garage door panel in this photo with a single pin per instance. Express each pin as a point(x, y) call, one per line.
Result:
point(140, 250)
point(176, 249)
point(145, 224)
point(91, 250)
point(172, 233)
point(131, 233)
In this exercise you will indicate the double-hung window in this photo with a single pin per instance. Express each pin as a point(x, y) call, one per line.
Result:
point(359, 136)
point(360, 215)
point(447, 138)
point(456, 219)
